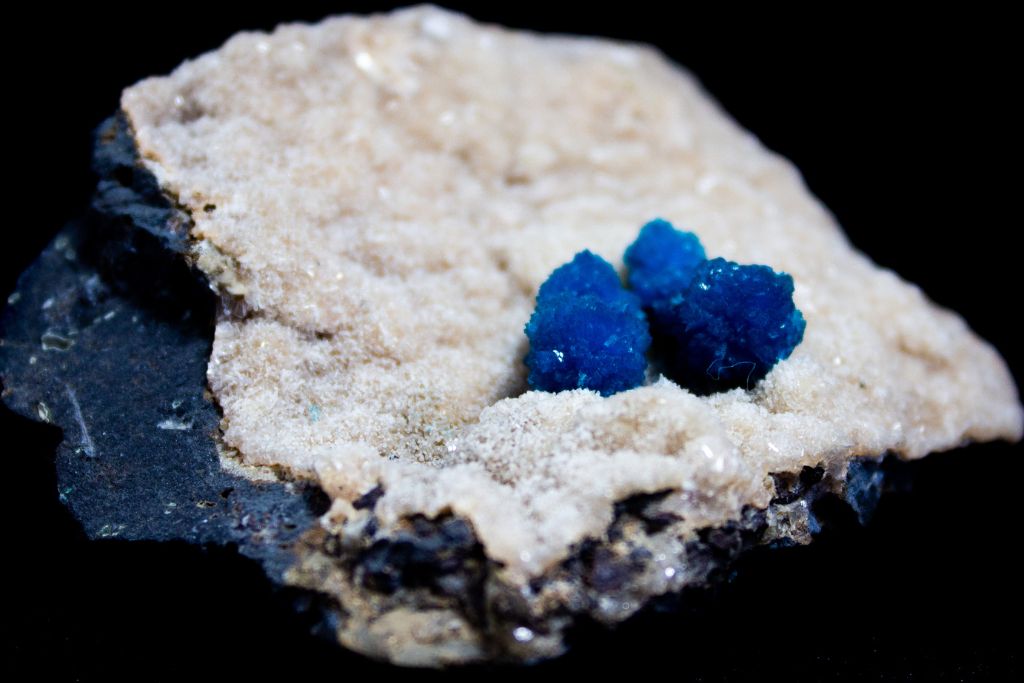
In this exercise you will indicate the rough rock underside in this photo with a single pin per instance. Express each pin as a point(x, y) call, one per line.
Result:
point(375, 202)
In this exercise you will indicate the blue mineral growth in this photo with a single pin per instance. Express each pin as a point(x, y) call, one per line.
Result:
point(586, 275)
point(662, 261)
point(587, 331)
point(728, 327)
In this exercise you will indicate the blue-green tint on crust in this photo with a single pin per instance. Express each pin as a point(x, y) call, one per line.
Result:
point(728, 328)
point(587, 331)
point(662, 261)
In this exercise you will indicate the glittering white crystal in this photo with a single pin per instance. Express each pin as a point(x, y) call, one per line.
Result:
point(522, 634)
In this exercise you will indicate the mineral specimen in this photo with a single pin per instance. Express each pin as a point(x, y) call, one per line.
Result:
point(376, 201)
point(587, 332)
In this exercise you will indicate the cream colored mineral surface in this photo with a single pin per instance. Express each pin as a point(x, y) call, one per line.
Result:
point(381, 198)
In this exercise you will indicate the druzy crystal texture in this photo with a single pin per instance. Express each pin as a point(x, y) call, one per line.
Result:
point(586, 275)
point(376, 202)
point(728, 327)
point(662, 261)
point(586, 332)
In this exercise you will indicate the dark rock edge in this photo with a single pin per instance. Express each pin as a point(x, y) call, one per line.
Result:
point(107, 336)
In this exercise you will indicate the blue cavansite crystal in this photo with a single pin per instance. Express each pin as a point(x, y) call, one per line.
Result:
point(662, 261)
point(728, 327)
point(586, 275)
point(716, 324)
point(587, 331)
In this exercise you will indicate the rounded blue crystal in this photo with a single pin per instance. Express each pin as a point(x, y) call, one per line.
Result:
point(587, 331)
point(586, 275)
point(728, 327)
point(662, 261)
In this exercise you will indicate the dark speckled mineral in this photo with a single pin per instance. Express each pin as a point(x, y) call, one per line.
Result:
point(127, 381)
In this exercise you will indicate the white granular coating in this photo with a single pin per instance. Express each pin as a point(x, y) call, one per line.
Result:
point(386, 194)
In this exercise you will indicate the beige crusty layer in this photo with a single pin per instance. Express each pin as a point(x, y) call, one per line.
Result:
point(386, 194)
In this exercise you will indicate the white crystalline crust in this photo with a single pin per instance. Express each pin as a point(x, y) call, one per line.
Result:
point(387, 193)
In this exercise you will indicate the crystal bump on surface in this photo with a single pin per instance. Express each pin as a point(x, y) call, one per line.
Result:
point(586, 332)
point(662, 261)
point(729, 327)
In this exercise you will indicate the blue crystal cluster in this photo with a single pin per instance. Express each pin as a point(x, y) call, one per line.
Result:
point(716, 324)
point(587, 331)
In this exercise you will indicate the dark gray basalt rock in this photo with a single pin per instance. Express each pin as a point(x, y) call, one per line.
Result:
point(108, 337)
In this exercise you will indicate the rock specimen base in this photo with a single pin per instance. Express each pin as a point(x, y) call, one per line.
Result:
point(375, 202)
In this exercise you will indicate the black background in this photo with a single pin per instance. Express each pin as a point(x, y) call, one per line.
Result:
point(900, 124)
